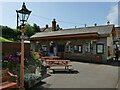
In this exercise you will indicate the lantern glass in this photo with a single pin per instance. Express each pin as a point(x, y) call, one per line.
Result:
point(23, 17)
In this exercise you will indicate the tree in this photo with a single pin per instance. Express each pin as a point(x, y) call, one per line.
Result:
point(14, 34)
point(8, 33)
point(29, 31)
point(17, 34)
point(36, 28)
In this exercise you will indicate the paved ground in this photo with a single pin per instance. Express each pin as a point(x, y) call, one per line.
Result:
point(88, 76)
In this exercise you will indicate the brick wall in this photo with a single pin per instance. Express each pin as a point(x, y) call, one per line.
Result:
point(117, 29)
point(11, 48)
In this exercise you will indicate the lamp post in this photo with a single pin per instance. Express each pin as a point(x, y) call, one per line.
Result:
point(23, 14)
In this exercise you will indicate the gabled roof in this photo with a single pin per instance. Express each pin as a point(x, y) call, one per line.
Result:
point(101, 30)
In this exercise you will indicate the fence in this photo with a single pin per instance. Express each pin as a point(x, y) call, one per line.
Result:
point(13, 47)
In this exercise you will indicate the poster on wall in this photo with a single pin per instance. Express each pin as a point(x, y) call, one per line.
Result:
point(100, 49)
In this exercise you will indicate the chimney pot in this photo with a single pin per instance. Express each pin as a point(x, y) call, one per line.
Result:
point(53, 19)
point(54, 25)
point(108, 23)
point(75, 27)
point(95, 24)
point(46, 26)
point(57, 28)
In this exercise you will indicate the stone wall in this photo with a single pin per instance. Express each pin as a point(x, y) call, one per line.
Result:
point(77, 41)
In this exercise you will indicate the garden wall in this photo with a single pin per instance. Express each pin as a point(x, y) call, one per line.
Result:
point(13, 47)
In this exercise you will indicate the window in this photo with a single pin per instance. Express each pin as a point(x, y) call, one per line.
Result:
point(68, 48)
point(87, 47)
point(75, 48)
point(100, 49)
point(44, 48)
point(80, 48)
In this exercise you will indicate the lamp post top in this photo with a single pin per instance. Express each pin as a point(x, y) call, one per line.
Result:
point(23, 14)
point(24, 10)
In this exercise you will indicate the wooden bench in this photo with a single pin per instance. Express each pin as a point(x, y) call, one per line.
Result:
point(8, 80)
point(66, 66)
point(61, 65)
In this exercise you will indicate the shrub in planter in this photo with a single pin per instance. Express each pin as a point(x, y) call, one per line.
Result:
point(31, 79)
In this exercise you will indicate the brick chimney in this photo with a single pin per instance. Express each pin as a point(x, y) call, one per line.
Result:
point(53, 25)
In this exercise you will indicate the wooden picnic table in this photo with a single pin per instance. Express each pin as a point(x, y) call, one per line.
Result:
point(50, 57)
point(57, 62)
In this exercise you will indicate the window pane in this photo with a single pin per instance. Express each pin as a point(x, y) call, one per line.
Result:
point(80, 48)
point(44, 47)
point(69, 48)
point(75, 48)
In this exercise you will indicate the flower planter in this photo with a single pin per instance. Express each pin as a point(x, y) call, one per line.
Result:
point(31, 79)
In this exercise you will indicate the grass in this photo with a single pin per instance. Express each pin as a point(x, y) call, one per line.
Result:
point(4, 39)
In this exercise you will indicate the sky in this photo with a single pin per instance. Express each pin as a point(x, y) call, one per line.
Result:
point(67, 14)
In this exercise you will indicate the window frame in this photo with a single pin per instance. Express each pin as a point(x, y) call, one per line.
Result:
point(97, 46)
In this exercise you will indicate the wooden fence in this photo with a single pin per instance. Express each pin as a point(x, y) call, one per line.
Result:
point(13, 47)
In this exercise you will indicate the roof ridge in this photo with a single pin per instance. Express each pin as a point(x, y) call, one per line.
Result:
point(89, 27)
point(103, 29)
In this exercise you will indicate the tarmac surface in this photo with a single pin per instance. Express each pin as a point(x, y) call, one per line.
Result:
point(83, 75)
